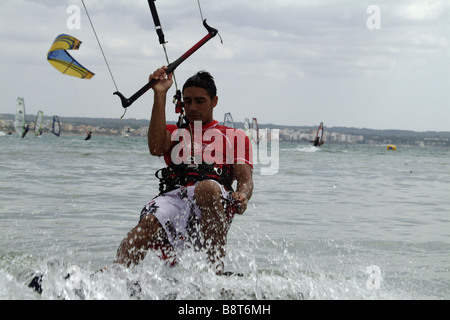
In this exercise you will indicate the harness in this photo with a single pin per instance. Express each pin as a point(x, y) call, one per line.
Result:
point(174, 176)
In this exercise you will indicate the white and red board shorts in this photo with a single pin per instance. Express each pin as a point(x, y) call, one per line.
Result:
point(180, 218)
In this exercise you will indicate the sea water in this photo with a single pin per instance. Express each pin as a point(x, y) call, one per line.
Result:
point(336, 222)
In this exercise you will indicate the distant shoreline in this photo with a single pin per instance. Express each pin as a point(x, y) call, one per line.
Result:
point(78, 126)
point(126, 121)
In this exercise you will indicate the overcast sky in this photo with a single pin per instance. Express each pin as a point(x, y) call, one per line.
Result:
point(285, 62)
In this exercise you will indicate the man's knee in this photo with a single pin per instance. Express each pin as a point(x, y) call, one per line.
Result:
point(148, 222)
point(150, 228)
point(207, 193)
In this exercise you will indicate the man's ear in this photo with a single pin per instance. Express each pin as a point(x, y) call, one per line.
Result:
point(214, 101)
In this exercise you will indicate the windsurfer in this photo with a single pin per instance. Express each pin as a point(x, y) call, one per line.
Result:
point(89, 134)
point(197, 203)
point(25, 131)
point(316, 142)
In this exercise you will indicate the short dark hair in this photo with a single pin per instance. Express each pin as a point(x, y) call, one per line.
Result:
point(202, 79)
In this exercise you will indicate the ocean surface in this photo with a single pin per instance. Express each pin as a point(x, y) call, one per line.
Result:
point(339, 222)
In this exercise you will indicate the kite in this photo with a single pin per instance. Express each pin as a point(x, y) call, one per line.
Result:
point(63, 61)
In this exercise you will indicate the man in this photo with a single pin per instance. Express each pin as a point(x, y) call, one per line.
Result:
point(196, 204)
point(316, 142)
point(27, 128)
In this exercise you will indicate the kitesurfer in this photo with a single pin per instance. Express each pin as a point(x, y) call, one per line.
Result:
point(196, 204)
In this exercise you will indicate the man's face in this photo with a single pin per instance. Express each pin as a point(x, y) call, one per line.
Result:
point(199, 105)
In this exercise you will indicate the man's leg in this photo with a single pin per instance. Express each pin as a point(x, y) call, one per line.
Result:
point(147, 234)
point(214, 228)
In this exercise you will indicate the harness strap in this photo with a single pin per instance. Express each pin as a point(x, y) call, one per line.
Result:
point(174, 176)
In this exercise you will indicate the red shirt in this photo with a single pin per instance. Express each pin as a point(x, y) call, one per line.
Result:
point(214, 143)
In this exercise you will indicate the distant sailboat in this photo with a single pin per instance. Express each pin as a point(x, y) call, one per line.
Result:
point(126, 134)
point(228, 120)
point(19, 121)
point(56, 126)
point(318, 140)
point(38, 123)
point(247, 127)
point(255, 131)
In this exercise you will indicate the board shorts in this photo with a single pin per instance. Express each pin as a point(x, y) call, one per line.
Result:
point(180, 218)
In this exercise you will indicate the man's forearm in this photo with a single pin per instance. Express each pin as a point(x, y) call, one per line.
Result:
point(245, 187)
point(244, 177)
point(157, 129)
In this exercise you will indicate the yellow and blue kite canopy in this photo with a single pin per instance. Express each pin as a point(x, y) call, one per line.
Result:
point(63, 61)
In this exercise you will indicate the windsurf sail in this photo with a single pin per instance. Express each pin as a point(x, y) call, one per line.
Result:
point(247, 127)
point(19, 122)
point(228, 120)
point(255, 131)
point(56, 126)
point(38, 123)
point(63, 61)
point(318, 140)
